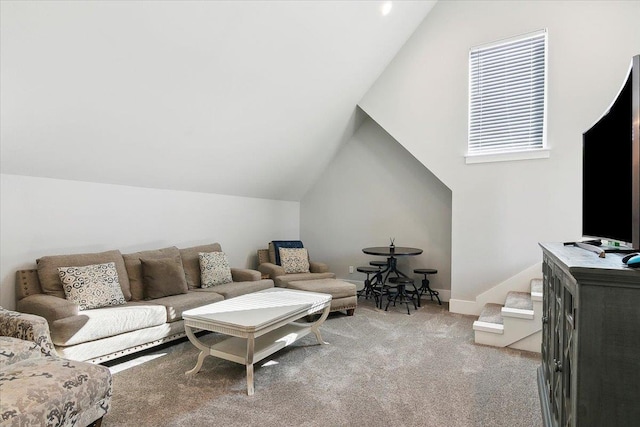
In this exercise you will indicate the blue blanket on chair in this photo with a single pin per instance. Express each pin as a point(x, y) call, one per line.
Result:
point(277, 244)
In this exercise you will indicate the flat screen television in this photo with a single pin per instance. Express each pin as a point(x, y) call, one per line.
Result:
point(611, 168)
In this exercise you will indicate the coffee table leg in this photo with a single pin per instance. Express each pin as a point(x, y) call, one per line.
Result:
point(249, 363)
point(315, 327)
point(204, 350)
point(196, 369)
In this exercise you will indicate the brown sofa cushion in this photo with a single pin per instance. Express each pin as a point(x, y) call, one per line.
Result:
point(335, 287)
point(163, 277)
point(231, 290)
point(50, 280)
point(191, 262)
point(134, 267)
point(284, 280)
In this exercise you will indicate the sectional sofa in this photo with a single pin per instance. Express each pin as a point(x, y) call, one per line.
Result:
point(156, 287)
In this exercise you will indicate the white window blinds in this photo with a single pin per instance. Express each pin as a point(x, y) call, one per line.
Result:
point(507, 95)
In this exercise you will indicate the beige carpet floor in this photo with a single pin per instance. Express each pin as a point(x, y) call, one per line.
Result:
point(379, 369)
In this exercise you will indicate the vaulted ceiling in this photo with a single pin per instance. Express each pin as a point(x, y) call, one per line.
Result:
point(248, 98)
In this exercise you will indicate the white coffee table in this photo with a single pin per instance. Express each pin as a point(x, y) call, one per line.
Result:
point(259, 324)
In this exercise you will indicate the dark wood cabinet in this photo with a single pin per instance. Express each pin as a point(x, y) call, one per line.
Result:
point(590, 371)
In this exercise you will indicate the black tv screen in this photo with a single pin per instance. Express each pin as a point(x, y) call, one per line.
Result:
point(606, 185)
point(609, 207)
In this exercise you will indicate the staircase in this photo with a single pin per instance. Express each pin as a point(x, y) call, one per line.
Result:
point(515, 324)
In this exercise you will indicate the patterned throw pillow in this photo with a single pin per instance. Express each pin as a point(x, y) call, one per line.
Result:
point(294, 260)
point(92, 286)
point(214, 269)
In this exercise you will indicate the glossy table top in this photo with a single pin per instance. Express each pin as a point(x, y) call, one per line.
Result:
point(386, 251)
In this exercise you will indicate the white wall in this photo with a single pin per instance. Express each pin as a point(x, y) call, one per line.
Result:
point(187, 83)
point(502, 210)
point(373, 190)
point(41, 216)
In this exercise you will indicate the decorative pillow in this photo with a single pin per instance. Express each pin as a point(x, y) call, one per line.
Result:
point(294, 260)
point(214, 269)
point(163, 277)
point(134, 267)
point(275, 245)
point(191, 262)
point(92, 286)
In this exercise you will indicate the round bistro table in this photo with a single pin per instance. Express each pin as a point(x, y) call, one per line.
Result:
point(392, 261)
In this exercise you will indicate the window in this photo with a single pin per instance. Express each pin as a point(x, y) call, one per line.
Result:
point(507, 99)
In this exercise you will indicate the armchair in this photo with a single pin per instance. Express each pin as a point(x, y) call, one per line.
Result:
point(271, 264)
point(37, 387)
point(297, 271)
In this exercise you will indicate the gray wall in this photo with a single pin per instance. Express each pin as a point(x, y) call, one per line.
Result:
point(373, 190)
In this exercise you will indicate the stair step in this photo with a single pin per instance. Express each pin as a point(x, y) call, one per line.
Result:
point(515, 324)
point(491, 313)
point(490, 319)
point(519, 300)
point(493, 328)
point(518, 304)
point(536, 289)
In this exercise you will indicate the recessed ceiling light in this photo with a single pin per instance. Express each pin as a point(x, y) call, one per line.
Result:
point(386, 8)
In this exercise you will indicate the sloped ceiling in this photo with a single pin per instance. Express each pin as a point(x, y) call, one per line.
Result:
point(243, 98)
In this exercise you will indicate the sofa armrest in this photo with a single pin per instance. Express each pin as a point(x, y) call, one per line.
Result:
point(318, 267)
point(28, 327)
point(50, 307)
point(271, 269)
point(245, 275)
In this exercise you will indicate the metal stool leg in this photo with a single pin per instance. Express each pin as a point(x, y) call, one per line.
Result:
point(366, 289)
point(401, 296)
point(380, 286)
point(404, 301)
point(389, 298)
point(369, 289)
point(417, 294)
point(427, 289)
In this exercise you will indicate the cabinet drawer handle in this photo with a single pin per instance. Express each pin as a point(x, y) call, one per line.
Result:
point(545, 319)
point(558, 365)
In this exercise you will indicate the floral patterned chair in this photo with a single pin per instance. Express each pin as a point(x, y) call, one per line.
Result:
point(39, 388)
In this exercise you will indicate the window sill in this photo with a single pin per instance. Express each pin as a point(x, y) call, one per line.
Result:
point(507, 157)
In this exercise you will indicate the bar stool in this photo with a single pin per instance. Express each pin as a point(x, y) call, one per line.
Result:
point(369, 289)
point(401, 296)
point(425, 283)
point(378, 263)
point(379, 285)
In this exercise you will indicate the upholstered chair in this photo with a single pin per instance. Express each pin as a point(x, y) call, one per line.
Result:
point(287, 260)
point(37, 387)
